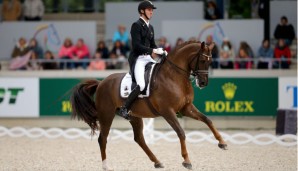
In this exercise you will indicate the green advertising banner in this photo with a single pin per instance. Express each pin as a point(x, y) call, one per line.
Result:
point(238, 97)
point(54, 96)
point(222, 97)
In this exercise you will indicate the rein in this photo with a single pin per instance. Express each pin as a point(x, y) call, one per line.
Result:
point(196, 70)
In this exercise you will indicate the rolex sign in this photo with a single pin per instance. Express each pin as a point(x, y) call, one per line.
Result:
point(238, 97)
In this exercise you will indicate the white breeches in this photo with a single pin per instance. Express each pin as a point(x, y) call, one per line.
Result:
point(140, 69)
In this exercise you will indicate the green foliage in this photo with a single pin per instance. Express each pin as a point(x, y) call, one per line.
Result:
point(240, 9)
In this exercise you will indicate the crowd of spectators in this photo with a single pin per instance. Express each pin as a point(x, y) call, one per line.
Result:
point(30, 56)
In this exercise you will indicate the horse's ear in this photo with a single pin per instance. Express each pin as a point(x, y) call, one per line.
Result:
point(202, 45)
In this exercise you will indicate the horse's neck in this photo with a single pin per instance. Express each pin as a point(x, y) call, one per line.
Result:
point(183, 56)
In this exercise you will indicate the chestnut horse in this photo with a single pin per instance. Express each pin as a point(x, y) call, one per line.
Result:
point(172, 93)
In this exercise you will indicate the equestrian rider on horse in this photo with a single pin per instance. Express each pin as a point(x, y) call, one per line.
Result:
point(144, 50)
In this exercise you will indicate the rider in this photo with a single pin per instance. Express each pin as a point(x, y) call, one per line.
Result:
point(144, 50)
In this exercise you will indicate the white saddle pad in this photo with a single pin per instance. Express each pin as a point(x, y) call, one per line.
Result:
point(125, 86)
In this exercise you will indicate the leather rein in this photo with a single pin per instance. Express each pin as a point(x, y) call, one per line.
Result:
point(196, 71)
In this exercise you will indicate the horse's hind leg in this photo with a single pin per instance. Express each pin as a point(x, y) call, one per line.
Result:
point(105, 125)
point(137, 126)
point(192, 112)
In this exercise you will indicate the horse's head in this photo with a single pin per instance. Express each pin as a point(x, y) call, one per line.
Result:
point(200, 64)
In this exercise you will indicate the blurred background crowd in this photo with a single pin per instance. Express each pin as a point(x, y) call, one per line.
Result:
point(279, 52)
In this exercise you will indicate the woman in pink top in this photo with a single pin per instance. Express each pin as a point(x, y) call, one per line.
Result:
point(81, 52)
point(66, 53)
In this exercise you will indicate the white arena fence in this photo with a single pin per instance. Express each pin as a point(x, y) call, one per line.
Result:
point(151, 135)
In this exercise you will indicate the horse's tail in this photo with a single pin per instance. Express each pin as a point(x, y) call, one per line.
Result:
point(83, 105)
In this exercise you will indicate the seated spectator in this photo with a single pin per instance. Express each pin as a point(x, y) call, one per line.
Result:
point(33, 64)
point(49, 64)
point(33, 45)
point(214, 53)
point(113, 63)
point(101, 48)
point(81, 52)
point(179, 41)
point(245, 46)
point(163, 43)
point(243, 60)
point(123, 36)
point(119, 50)
point(212, 12)
point(227, 55)
point(21, 48)
point(284, 31)
point(11, 10)
point(283, 55)
point(192, 39)
point(33, 10)
point(97, 63)
point(265, 55)
point(66, 53)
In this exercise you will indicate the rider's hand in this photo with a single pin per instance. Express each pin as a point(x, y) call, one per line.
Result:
point(160, 51)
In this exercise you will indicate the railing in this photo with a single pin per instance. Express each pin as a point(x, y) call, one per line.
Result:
point(272, 63)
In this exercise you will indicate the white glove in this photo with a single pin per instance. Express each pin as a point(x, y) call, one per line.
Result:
point(160, 51)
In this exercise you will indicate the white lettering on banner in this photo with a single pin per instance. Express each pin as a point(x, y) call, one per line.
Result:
point(287, 93)
point(19, 97)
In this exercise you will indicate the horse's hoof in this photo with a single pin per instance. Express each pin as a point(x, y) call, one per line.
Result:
point(223, 146)
point(158, 165)
point(187, 165)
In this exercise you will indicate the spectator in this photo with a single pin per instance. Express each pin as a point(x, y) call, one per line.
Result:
point(179, 41)
point(283, 54)
point(113, 63)
point(212, 12)
point(11, 10)
point(33, 64)
point(209, 40)
point(122, 35)
point(81, 52)
point(49, 64)
point(244, 60)
point(33, 10)
point(245, 46)
point(265, 55)
point(21, 48)
point(101, 48)
point(284, 31)
point(97, 63)
point(66, 53)
point(227, 55)
point(119, 50)
point(33, 45)
point(163, 43)
point(192, 39)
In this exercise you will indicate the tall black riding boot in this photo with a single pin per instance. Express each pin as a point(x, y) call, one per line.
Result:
point(123, 111)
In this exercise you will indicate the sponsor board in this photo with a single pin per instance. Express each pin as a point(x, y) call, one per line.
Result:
point(19, 97)
point(238, 97)
point(54, 96)
point(287, 92)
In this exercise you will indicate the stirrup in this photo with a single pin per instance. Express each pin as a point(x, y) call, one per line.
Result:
point(123, 113)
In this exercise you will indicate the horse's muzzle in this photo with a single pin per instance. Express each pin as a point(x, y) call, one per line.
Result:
point(201, 83)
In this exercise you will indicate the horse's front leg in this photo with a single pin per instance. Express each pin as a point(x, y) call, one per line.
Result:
point(172, 120)
point(192, 112)
point(137, 125)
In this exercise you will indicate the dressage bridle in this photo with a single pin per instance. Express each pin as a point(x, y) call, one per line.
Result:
point(201, 56)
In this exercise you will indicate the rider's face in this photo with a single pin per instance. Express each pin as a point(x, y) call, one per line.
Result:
point(149, 12)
